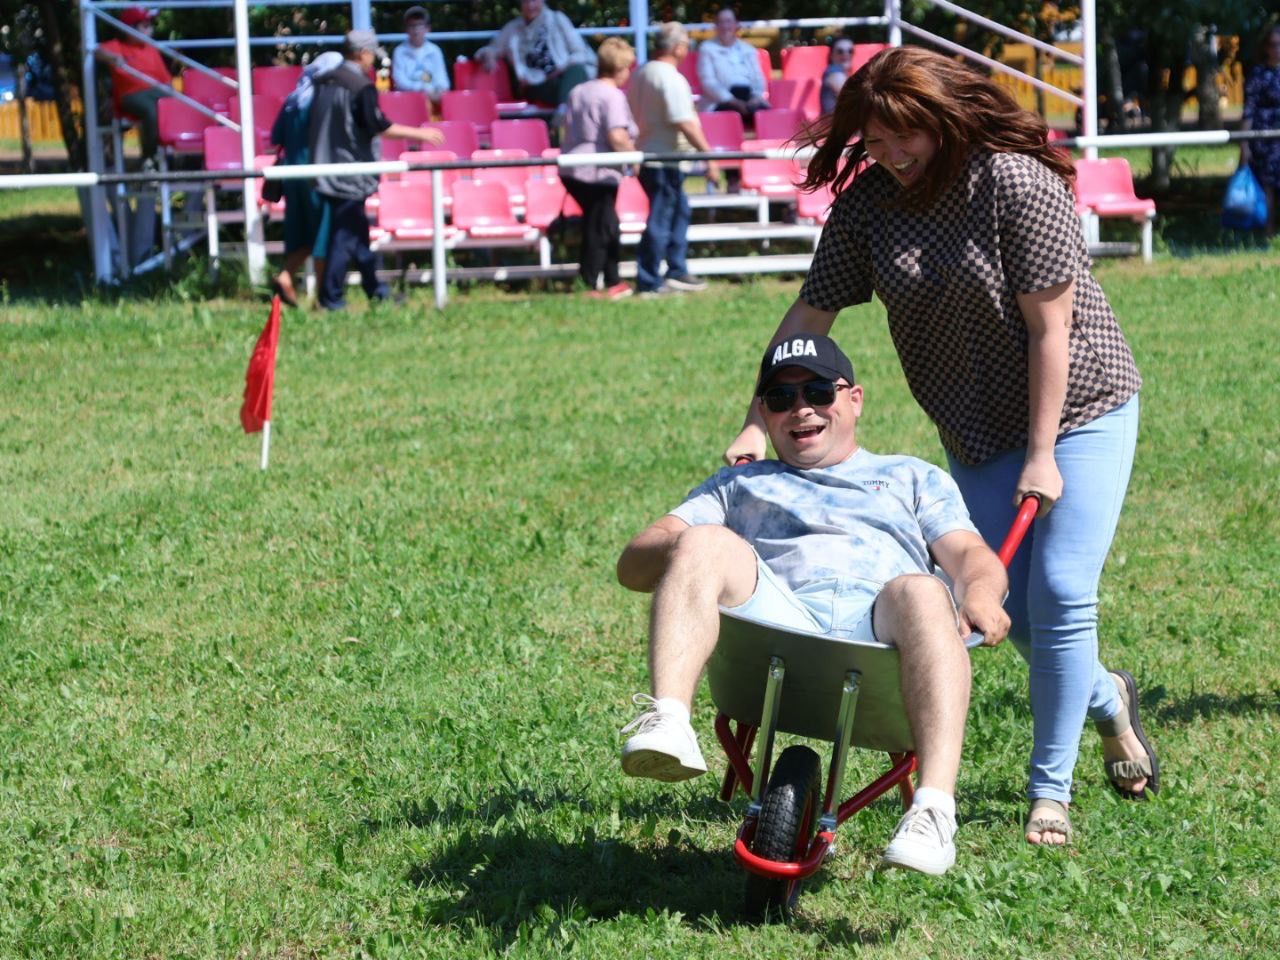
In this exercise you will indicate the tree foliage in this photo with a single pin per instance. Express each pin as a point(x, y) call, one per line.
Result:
point(1175, 32)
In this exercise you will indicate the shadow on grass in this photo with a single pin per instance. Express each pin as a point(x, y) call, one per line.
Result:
point(503, 802)
point(515, 879)
point(1190, 215)
point(1205, 706)
point(55, 268)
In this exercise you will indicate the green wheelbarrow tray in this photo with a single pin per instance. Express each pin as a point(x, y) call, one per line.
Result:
point(816, 665)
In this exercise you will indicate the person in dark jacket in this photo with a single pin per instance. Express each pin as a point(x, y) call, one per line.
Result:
point(345, 124)
point(306, 229)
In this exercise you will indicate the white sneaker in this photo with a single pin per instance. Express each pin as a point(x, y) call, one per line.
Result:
point(922, 841)
point(662, 745)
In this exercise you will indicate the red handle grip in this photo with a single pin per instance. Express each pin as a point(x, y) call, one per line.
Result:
point(1021, 523)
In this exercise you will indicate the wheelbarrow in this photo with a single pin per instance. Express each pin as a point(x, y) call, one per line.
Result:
point(766, 680)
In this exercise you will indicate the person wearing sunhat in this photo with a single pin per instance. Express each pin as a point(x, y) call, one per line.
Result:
point(132, 95)
point(828, 538)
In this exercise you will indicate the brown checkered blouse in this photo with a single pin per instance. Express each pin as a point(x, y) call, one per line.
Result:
point(948, 277)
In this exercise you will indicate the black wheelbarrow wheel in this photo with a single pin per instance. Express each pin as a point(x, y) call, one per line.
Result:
point(788, 820)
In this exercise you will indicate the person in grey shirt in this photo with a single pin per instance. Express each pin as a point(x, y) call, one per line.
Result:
point(829, 538)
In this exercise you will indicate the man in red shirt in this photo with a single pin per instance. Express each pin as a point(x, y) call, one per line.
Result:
point(132, 96)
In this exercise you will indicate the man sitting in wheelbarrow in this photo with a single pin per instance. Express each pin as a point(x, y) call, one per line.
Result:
point(832, 539)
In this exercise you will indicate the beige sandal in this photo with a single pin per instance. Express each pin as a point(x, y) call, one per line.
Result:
point(1058, 823)
point(1127, 718)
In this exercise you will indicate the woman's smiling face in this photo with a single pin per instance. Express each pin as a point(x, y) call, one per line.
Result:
point(904, 153)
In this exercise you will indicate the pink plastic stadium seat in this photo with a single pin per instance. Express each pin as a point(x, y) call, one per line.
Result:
point(723, 130)
point(405, 212)
point(221, 148)
point(264, 116)
point(805, 66)
point(212, 92)
point(477, 107)
point(632, 205)
point(275, 81)
point(530, 136)
point(688, 68)
point(862, 52)
point(771, 178)
point(547, 200)
point(422, 178)
point(404, 106)
point(513, 178)
point(469, 75)
point(766, 67)
point(180, 126)
point(777, 124)
point(791, 94)
point(815, 205)
point(483, 210)
point(459, 136)
point(802, 62)
point(1104, 188)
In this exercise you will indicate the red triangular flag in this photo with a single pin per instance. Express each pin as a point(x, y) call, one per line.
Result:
point(260, 378)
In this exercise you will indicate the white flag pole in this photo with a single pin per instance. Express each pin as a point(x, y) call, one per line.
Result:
point(266, 443)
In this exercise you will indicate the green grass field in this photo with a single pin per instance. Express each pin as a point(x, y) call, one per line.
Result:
point(366, 703)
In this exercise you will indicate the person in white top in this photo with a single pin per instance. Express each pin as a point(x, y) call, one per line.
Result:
point(729, 70)
point(418, 64)
point(548, 56)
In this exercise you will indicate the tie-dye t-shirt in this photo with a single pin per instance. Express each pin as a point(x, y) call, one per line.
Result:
point(855, 525)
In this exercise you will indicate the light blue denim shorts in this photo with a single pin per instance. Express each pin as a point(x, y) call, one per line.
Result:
point(825, 607)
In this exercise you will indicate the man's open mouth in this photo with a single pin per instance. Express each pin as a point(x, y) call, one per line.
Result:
point(806, 433)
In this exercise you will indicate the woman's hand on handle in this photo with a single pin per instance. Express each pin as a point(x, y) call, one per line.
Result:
point(1040, 476)
point(748, 445)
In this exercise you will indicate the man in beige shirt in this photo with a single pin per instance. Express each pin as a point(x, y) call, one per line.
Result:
point(662, 104)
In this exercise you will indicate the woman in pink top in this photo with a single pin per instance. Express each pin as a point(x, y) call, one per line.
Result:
point(599, 121)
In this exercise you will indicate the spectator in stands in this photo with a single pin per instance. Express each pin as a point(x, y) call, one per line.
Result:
point(662, 103)
point(306, 222)
point(547, 54)
point(133, 96)
point(418, 65)
point(837, 72)
point(964, 227)
point(345, 121)
point(729, 70)
point(1262, 112)
point(598, 120)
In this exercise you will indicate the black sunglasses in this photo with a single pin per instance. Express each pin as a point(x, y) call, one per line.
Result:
point(816, 393)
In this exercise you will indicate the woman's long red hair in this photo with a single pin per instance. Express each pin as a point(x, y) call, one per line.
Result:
point(910, 88)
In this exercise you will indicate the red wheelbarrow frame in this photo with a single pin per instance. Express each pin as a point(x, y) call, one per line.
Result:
point(738, 741)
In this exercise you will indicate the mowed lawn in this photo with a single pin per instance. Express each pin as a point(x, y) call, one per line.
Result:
point(367, 703)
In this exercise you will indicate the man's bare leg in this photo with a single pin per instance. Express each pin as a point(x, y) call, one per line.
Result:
point(709, 566)
point(915, 614)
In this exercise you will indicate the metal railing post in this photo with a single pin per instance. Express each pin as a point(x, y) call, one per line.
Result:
point(437, 239)
point(254, 240)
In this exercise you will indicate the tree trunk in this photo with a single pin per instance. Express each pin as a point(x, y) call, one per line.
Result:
point(1115, 85)
point(1204, 57)
point(1166, 93)
point(24, 118)
point(64, 90)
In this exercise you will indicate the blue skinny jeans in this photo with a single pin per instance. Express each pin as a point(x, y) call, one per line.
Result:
point(1053, 583)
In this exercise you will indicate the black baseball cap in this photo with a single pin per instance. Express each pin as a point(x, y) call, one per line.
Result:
point(811, 351)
